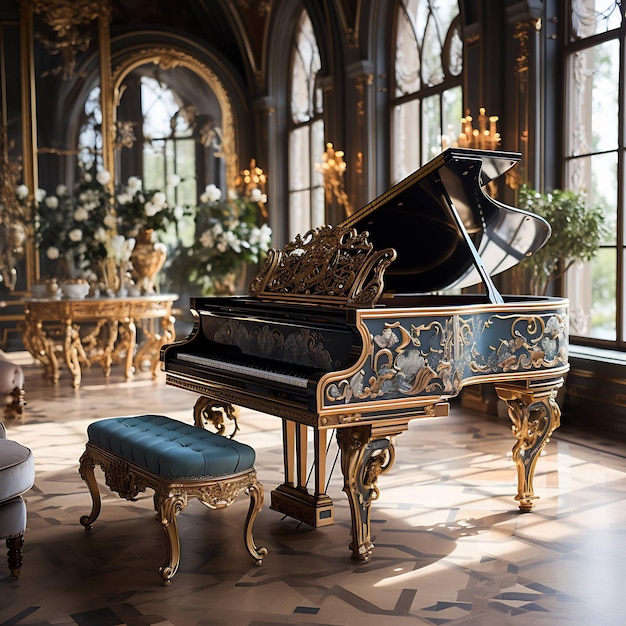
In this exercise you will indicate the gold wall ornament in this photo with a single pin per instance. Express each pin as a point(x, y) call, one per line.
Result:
point(16, 214)
point(69, 23)
point(333, 168)
point(125, 135)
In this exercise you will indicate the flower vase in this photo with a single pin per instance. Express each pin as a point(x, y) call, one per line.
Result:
point(147, 259)
point(225, 284)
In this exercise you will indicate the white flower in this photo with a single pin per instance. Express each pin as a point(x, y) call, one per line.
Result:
point(232, 194)
point(81, 214)
point(124, 198)
point(53, 253)
point(103, 177)
point(151, 209)
point(134, 184)
point(100, 235)
point(22, 192)
point(172, 180)
point(257, 196)
point(76, 234)
point(159, 199)
point(211, 194)
point(61, 190)
point(52, 202)
point(178, 212)
point(230, 239)
point(40, 194)
point(87, 178)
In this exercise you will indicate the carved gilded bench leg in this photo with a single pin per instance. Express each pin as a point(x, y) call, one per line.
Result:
point(535, 415)
point(255, 491)
point(167, 510)
point(86, 469)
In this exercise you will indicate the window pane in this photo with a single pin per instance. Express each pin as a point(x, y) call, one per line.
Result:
point(299, 165)
point(305, 65)
point(593, 99)
point(158, 105)
point(590, 17)
point(452, 114)
point(407, 62)
point(153, 164)
point(431, 128)
point(317, 151)
point(591, 288)
point(299, 212)
point(405, 148)
point(596, 176)
point(318, 211)
point(432, 69)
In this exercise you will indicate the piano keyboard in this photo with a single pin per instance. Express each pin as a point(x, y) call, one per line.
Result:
point(279, 377)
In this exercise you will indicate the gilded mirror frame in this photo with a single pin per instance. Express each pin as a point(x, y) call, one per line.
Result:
point(166, 58)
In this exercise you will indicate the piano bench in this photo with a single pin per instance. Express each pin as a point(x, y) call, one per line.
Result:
point(178, 461)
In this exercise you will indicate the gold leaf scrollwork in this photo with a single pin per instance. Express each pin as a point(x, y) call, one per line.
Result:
point(325, 265)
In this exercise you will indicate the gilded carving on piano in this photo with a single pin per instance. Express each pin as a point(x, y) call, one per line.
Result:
point(326, 264)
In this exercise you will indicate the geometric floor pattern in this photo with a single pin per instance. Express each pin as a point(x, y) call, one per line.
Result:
point(451, 546)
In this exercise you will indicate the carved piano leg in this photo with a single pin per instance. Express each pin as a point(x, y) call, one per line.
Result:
point(292, 497)
point(535, 416)
point(364, 456)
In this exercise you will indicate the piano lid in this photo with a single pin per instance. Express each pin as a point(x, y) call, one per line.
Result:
point(446, 230)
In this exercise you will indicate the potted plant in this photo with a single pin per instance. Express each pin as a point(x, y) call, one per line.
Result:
point(577, 230)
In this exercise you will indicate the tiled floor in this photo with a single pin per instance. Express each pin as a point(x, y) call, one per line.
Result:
point(451, 546)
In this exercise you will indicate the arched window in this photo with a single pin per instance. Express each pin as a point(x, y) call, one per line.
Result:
point(169, 147)
point(306, 132)
point(594, 164)
point(427, 103)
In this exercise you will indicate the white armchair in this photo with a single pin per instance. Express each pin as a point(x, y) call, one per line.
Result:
point(17, 476)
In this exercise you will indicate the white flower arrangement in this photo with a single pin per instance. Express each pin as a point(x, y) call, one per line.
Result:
point(228, 236)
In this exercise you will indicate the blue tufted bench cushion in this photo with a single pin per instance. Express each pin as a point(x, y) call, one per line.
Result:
point(169, 448)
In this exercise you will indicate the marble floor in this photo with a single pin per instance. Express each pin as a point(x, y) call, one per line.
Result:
point(451, 546)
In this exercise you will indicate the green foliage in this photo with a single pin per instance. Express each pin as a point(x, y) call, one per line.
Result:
point(577, 230)
point(228, 237)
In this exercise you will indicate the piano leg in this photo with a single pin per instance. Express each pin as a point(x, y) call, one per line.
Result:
point(365, 454)
point(535, 415)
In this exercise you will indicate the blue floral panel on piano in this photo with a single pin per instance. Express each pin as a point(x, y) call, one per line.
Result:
point(429, 356)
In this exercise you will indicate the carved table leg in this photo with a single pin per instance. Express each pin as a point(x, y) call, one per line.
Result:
point(364, 456)
point(129, 342)
point(535, 415)
point(73, 352)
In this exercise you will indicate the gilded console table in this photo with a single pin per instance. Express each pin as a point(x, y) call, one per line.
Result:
point(97, 330)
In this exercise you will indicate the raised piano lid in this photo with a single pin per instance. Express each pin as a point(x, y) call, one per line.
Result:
point(447, 231)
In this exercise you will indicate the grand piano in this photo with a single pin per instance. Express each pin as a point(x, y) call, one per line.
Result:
point(362, 327)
